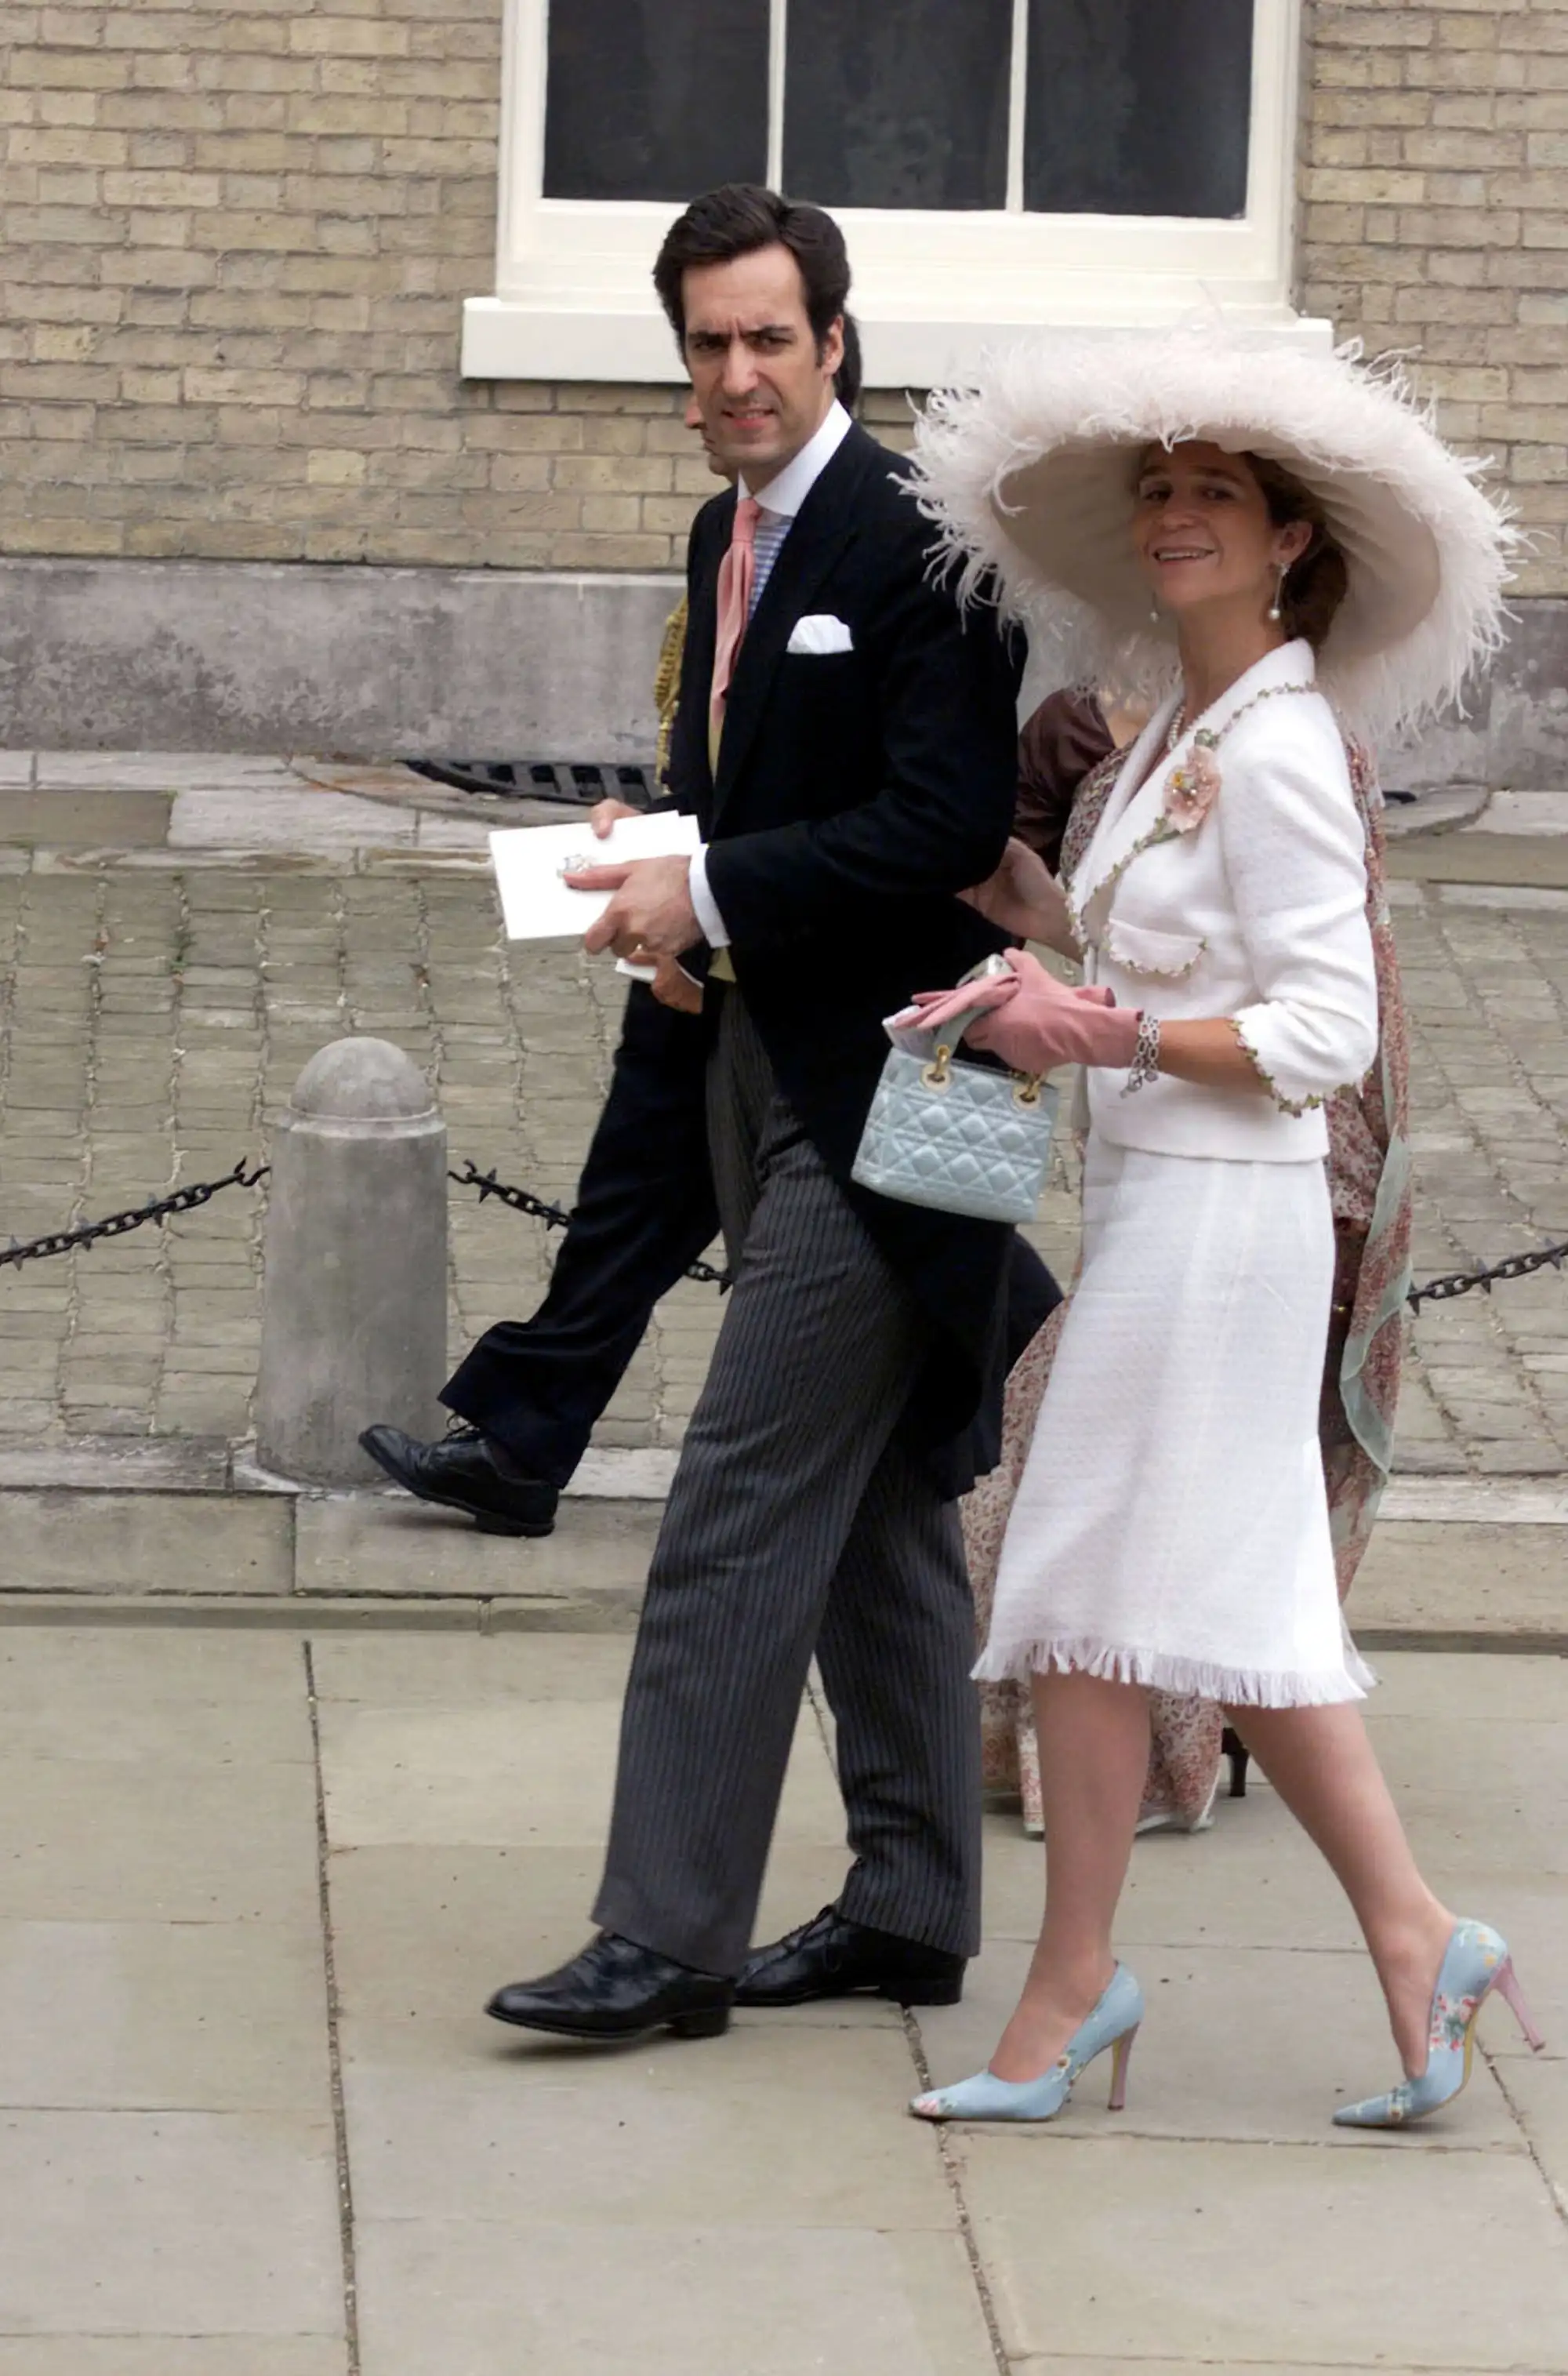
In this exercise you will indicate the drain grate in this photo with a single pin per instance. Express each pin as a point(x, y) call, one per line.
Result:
point(578, 783)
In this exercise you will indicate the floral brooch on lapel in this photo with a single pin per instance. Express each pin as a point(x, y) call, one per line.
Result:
point(1194, 786)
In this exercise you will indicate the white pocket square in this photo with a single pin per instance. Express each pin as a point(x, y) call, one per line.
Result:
point(821, 632)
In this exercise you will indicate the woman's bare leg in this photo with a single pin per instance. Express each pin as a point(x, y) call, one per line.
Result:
point(1094, 1747)
point(1324, 1766)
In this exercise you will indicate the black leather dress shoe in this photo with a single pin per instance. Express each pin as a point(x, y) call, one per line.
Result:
point(616, 1992)
point(834, 1957)
point(461, 1472)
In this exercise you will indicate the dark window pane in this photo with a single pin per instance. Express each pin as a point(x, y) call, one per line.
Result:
point(897, 105)
point(1138, 107)
point(655, 98)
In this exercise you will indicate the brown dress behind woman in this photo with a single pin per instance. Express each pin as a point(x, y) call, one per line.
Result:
point(1368, 1175)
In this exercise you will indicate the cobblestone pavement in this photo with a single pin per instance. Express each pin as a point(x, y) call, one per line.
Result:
point(154, 1014)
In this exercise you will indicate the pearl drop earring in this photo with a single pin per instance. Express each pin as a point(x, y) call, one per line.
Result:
point(1275, 606)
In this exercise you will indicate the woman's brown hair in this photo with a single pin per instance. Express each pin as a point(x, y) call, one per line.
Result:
point(1314, 586)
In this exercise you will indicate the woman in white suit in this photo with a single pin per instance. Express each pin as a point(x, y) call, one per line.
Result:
point(1270, 515)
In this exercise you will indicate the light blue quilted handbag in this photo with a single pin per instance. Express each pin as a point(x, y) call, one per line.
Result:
point(958, 1137)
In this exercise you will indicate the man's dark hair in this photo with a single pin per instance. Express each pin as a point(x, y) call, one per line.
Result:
point(847, 379)
point(736, 220)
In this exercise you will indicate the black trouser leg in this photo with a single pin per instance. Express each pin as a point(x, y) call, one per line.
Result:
point(644, 1210)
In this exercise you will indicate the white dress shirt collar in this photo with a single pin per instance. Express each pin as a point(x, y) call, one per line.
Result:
point(784, 495)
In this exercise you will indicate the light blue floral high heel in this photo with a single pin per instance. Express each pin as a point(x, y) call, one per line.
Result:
point(1113, 2025)
point(1474, 1961)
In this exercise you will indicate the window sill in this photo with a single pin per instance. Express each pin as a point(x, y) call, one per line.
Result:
point(534, 338)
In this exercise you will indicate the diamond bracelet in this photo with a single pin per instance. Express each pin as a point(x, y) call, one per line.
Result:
point(1144, 1066)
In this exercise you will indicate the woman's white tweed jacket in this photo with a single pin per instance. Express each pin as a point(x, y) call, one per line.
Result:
point(1258, 913)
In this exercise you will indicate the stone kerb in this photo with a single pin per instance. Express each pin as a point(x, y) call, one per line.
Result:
point(354, 1291)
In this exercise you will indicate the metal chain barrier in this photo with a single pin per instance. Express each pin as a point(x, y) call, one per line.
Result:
point(116, 1225)
point(556, 1217)
point(1460, 1282)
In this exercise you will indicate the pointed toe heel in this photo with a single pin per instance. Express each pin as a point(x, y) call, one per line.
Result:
point(1110, 2028)
point(1474, 1961)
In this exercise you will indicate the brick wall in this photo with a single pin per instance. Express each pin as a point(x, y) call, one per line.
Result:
point(1436, 182)
point(237, 240)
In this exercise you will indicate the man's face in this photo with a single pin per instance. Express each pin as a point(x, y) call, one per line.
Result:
point(757, 380)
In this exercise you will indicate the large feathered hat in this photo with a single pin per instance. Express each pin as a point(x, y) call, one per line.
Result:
point(1030, 479)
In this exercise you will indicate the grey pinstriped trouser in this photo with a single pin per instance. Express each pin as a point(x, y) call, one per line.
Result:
point(797, 1523)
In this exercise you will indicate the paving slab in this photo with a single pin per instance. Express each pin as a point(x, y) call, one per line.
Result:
point(100, 1680)
point(469, 2120)
point(280, 819)
point(83, 820)
point(1049, 2365)
point(509, 1671)
point(1440, 1686)
point(677, 2301)
point(503, 1778)
point(1109, 2248)
point(168, 771)
point(1478, 856)
point(165, 2016)
point(1536, 2089)
point(142, 1542)
point(387, 1543)
point(1469, 1580)
point(123, 1843)
point(183, 2223)
point(173, 2355)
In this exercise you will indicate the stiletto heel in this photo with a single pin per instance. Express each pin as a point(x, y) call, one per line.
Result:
point(1474, 1961)
point(1235, 1749)
point(1120, 2055)
point(1513, 1995)
point(1112, 2025)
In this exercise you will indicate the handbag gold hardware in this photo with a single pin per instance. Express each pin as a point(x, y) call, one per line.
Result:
point(939, 1071)
point(1026, 1089)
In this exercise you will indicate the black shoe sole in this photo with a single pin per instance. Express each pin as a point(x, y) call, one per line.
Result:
point(711, 2022)
point(489, 1522)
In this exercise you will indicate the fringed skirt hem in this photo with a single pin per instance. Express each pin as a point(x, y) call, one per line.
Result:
point(1155, 1670)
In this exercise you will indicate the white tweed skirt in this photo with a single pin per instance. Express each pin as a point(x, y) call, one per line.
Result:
point(1171, 1528)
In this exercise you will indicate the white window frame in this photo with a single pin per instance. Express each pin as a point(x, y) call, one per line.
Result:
point(932, 291)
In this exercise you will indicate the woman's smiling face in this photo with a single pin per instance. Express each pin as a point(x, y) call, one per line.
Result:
point(1202, 531)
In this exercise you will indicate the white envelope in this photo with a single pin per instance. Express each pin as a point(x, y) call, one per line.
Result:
point(529, 862)
point(820, 632)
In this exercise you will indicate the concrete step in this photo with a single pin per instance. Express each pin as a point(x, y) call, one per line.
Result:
point(288, 1558)
point(1458, 1563)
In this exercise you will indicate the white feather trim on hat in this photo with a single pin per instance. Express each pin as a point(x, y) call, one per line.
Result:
point(1029, 479)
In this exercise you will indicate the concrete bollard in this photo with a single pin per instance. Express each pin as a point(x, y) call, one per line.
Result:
point(354, 1291)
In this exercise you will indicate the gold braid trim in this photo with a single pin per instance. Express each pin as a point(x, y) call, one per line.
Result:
point(667, 681)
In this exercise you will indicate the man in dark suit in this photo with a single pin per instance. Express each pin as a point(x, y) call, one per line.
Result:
point(846, 740)
point(528, 1394)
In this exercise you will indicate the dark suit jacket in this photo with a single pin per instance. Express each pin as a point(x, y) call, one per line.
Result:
point(857, 793)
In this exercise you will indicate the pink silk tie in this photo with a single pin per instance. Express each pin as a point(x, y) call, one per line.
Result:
point(736, 572)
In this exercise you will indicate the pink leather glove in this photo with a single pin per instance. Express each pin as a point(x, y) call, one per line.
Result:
point(1034, 1022)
